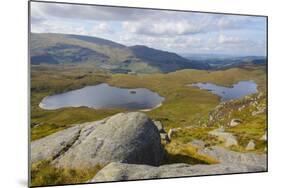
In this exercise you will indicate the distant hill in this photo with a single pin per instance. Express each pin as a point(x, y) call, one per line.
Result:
point(239, 62)
point(97, 41)
point(61, 52)
point(221, 61)
point(61, 48)
point(165, 61)
point(55, 49)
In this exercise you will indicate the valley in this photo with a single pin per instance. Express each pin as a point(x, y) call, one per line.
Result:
point(193, 120)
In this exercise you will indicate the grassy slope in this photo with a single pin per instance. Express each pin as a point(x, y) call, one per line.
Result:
point(188, 108)
point(42, 173)
point(48, 39)
point(184, 107)
point(46, 82)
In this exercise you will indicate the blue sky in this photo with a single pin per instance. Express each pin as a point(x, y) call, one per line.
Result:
point(180, 32)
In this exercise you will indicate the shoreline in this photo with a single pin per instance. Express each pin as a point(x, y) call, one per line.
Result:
point(149, 109)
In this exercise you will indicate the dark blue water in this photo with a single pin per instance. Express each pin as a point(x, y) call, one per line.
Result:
point(237, 91)
point(103, 96)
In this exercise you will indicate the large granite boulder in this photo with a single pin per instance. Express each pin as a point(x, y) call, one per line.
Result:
point(50, 147)
point(121, 171)
point(229, 162)
point(125, 137)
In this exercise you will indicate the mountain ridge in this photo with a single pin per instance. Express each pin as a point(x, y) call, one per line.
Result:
point(53, 48)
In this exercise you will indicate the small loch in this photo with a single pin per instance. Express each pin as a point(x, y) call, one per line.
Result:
point(104, 96)
point(237, 90)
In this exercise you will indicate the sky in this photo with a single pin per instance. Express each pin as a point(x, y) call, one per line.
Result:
point(175, 31)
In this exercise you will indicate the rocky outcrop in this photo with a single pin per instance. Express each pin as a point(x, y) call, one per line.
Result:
point(125, 137)
point(228, 138)
point(260, 110)
point(229, 162)
point(250, 105)
point(120, 171)
point(197, 143)
point(129, 146)
point(225, 156)
point(51, 147)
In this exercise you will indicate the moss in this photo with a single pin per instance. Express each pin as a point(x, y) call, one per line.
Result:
point(51, 121)
point(250, 130)
point(177, 152)
point(44, 174)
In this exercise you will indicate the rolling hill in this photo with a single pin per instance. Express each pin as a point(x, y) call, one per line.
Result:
point(222, 61)
point(166, 61)
point(47, 48)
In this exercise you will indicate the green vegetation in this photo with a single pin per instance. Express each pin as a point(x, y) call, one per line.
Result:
point(252, 127)
point(186, 135)
point(185, 108)
point(252, 130)
point(57, 49)
point(185, 105)
point(45, 82)
point(177, 152)
point(62, 63)
point(44, 174)
point(44, 42)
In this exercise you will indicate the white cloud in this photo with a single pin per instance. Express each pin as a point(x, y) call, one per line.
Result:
point(102, 28)
point(230, 40)
point(82, 12)
point(52, 26)
point(161, 27)
point(182, 32)
point(186, 24)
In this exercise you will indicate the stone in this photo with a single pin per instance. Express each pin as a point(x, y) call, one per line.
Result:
point(259, 111)
point(260, 95)
point(159, 126)
point(120, 171)
point(125, 137)
point(204, 125)
point(241, 108)
point(228, 138)
point(235, 122)
point(197, 143)
point(171, 133)
point(164, 137)
point(251, 145)
point(264, 137)
point(225, 156)
point(254, 113)
point(50, 147)
point(231, 141)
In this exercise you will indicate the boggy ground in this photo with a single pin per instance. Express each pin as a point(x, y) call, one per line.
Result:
point(191, 112)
